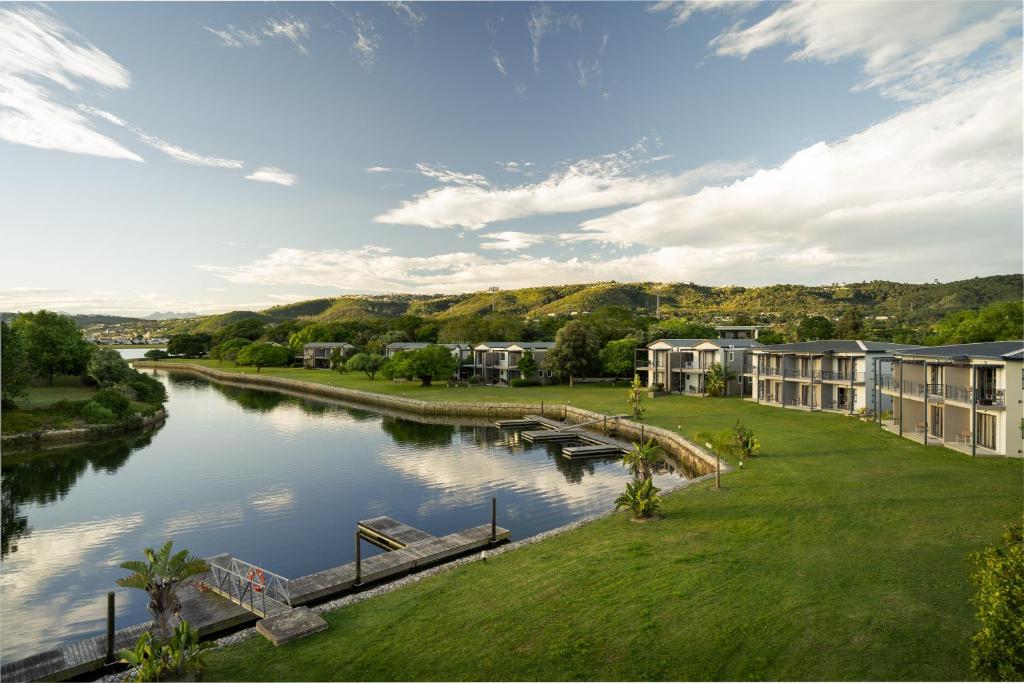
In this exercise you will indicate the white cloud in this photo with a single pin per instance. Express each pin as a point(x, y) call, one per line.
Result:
point(187, 156)
point(938, 176)
point(496, 60)
point(600, 182)
point(38, 51)
point(544, 21)
point(409, 14)
point(510, 240)
point(366, 41)
point(380, 169)
point(291, 28)
point(448, 176)
point(235, 37)
point(272, 174)
point(681, 10)
point(910, 50)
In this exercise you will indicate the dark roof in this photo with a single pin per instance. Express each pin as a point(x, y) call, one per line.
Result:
point(523, 344)
point(835, 346)
point(680, 342)
point(422, 345)
point(1001, 349)
point(329, 345)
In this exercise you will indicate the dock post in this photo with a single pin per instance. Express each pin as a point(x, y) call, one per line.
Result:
point(542, 408)
point(110, 627)
point(494, 519)
point(359, 561)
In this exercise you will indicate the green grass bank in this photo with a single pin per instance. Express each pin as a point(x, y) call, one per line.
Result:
point(838, 554)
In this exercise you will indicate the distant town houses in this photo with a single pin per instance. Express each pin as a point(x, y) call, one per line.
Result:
point(833, 374)
point(318, 354)
point(681, 365)
point(129, 341)
point(498, 362)
point(965, 396)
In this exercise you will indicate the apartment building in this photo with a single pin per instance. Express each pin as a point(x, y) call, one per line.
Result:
point(682, 364)
point(497, 362)
point(965, 396)
point(834, 374)
point(318, 354)
point(463, 351)
point(738, 331)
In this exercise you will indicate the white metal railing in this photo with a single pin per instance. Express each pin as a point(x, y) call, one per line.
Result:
point(248, 584)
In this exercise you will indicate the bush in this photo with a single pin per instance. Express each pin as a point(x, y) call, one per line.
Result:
point(115, 401)
point(157, 354)
point(107, 367)
point(94, 413)
point(147, 389)
point(521, 382)
point(181, 659)
point(475, 379)
point(997, 651)
point(641, 497)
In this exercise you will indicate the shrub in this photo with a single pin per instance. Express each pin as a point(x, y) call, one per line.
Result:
point(475, 379)
point(997, 649)
point(157, 354)
point(115, 401)
point(179, 660)
point(641, 497)
point(521, 382)
point(94, 413)
point(658, 386)
point(147, 389)
point(107, 367)
point(886, 415)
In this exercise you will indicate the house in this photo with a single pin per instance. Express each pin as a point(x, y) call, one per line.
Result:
point(738, 331)
point(964, 396)
point(682, 364)
point(498, 362)
point(318, 354)
point(832, 374)
point(463, 351)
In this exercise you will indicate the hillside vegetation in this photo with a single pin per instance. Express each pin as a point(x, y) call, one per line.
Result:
point(910, 304)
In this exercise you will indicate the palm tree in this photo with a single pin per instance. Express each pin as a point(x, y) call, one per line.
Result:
point(642, 459)
point(641, 497)
point(159, 576)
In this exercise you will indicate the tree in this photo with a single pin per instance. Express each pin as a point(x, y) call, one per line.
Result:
point(336, 359)
point(575, 353)
point(527, 364)
point(369, 363)
point(635, 397)
point(716, 380)
point(742, 319)
point(997, 649)
point(53, 344)
point(189, 345)
point(14, 370)
point(263, 355)
point(770, 337)
point(156, 354)
point(642, 460)
point(159, 577)
point(618, 357)
point(680, 328)
point(995, 322)
point(738, 442)
point(229, 350)
point(815, 327)
point(426, 364)
point(108, 368)
point(850, 325)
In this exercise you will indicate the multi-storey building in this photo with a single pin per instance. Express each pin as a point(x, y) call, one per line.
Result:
point(965, 396)
point(463, 351)
point(682, 364)
point(738, 331)
point(498, 362)
point(318, 354)
point(833, 374)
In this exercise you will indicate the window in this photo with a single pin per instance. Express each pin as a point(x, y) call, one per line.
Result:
point(732, 356)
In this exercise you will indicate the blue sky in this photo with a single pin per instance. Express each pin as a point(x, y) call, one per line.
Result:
point(205, 157)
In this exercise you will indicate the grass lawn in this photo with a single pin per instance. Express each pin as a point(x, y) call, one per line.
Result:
point(838, 554)
point(64, 388)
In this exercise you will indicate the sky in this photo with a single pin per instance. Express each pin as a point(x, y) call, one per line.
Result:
point(203, 157)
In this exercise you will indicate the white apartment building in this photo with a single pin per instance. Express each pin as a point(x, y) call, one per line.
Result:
point(682, 364)
point(965, 396)
point(318, 354)
point(834, 374)
point(498, 362)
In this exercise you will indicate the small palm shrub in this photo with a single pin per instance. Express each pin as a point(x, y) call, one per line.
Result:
point(642, 460)
point(159, 577)
point(641, 498)
point(747, 444)
point(178, 660)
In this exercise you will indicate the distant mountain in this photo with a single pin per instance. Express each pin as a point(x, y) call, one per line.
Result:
point(904, 302)
point(87, 319)
point(159, 315)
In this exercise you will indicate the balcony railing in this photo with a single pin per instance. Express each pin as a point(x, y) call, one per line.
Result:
point(643, 363)
point(771, 372)
point(985, 397)
point(840, 405)
point(748, 369)
point(803, 374)
point(842, 376)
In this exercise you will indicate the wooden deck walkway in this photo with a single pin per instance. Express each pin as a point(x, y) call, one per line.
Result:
point(408, 548)
point(593, 444)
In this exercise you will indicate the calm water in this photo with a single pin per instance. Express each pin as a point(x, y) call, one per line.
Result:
point(274, 479)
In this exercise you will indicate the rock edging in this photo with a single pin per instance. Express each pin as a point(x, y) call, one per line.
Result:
point(59, 437)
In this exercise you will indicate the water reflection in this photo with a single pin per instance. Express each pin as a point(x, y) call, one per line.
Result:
point(271, 477)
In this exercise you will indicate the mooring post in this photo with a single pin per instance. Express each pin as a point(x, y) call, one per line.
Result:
point(359, 561)
point(542, 408)
point(110, 627)
point(494, 519)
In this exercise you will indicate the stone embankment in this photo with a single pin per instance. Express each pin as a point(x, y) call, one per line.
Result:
point(56, 438)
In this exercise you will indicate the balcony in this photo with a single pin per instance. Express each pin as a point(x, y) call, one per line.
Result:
point(748, 369)
point(842, 376)
point(771, 372)
point(984, 396)
point(803, 374)
point(643, 363)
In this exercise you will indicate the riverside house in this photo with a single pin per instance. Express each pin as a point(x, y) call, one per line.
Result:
point(497, 362)
point(463, 351)
point(318, 354)
point(833, 374)
point(682, 364)
point(966, 396)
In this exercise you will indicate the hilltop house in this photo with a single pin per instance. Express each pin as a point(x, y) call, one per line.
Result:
point(318, 354)
point(682, 364)
point(463, 351)
point(738, 331)
point(497, 362)
point(965, 396)
point(832, 374)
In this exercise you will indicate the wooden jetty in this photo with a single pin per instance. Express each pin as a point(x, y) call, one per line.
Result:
point(216, 610)
point(592, 444)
